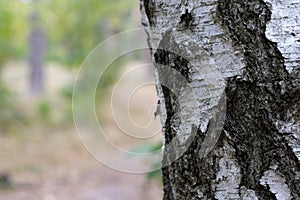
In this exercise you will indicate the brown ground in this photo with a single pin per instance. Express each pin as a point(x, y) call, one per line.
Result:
point(46, 160)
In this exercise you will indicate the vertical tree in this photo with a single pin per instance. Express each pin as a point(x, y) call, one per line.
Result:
point(254, 46)
point(37, 43)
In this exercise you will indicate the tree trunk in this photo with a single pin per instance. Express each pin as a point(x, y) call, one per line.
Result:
point(38, 45)
point(227, 75)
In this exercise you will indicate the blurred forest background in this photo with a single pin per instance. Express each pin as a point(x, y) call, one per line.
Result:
point(42, 45)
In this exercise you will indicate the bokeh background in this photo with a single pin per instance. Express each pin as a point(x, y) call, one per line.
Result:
point(42, 46)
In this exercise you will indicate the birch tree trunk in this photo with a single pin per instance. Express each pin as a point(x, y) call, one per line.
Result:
point(241, 63)
point(38, 46)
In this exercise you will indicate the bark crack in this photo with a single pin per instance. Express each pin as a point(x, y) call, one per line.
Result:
point(255, 100)
point(186, 20)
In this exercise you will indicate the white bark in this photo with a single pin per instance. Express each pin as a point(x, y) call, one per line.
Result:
point(230, 47)
point(276, 183)
point(284, 29)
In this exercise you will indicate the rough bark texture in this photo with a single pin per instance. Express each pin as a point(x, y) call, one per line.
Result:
point(254, 45)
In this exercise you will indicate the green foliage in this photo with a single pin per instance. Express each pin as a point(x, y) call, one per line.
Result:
point(5, 31)
point(74, 28)
point(13, 30)
point(80, 25)
point(67, 92)
point(107, 79)
point(9, 115)
point(155, 175)
point(44, 109)
point(148, 147)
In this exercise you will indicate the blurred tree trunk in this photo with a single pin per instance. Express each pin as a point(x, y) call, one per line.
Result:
point(254, 45)
point(37, 43)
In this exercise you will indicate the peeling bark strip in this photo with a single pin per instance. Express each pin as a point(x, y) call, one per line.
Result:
point(257, 155)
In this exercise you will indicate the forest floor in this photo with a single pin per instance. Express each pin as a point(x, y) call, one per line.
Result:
point(46, 160)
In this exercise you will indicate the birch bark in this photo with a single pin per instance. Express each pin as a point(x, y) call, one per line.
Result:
point(241, 55)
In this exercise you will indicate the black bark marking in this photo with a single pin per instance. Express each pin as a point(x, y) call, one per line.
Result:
point(253, 102)
point(190, 175)
point(171, 105)
point(169, 54)
point(186, 20)
point(149, 8)
point(167, 61)
point(257, 99)
point(185, 171)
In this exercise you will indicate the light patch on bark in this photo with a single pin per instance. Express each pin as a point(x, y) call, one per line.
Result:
point(284, 29)
point(276, 183)
point(211, 38)
point(228, 177)
point(208, 72)
point(207, 34)
point(247, 194)
point(288, 127)
point(163, 112)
